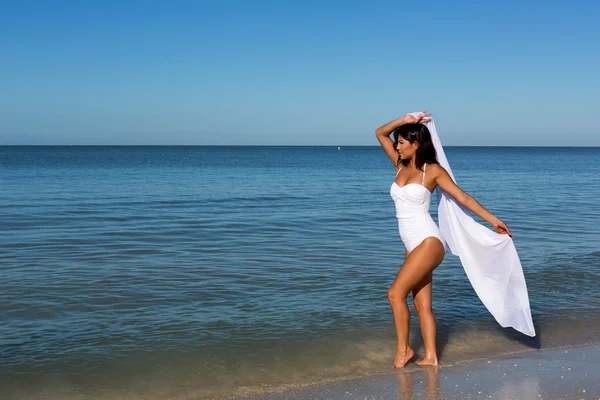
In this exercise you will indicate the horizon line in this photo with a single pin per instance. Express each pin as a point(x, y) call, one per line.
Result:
point(269, 145)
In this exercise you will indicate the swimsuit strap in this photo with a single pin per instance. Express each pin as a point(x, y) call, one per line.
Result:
point(400, 169)
point(424, 169)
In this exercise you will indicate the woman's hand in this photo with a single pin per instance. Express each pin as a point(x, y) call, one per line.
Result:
point(501, 228)
point(411, 119)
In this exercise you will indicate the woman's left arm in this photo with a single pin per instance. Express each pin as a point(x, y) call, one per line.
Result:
point(444, 181)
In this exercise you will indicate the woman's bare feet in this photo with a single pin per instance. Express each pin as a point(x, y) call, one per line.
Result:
point(428, 360)
point(403, 357)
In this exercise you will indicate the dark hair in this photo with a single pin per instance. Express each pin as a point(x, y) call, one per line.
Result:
point(417, 133)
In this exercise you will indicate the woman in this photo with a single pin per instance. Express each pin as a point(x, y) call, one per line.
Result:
point(418, 173)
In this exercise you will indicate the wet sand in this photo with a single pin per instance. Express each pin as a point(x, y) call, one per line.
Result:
point(569, 373)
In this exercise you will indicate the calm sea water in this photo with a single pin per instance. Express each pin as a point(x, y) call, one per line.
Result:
point(190, 272)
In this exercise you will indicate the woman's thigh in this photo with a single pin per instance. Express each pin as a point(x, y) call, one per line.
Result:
point(420, 262)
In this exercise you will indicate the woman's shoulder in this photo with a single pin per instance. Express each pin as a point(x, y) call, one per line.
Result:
point(435, 168)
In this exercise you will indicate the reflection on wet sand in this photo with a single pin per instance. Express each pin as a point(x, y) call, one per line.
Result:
point(406, 386)
point(527, 389)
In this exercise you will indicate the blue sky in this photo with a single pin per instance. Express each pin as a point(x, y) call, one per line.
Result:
point(298, 72)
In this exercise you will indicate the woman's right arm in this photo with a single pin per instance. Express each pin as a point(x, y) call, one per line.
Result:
point(384, 131)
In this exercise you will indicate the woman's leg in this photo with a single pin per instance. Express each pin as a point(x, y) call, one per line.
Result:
point(422, 301)
point(420, 262)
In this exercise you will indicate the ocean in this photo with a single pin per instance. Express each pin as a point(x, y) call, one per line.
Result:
point(199, 272)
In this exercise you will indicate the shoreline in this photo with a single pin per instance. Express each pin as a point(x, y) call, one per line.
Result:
point(568, 372)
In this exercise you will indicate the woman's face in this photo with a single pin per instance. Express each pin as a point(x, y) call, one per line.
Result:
point(406, 149)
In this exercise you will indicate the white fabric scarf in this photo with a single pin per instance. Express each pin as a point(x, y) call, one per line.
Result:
point(489, 259)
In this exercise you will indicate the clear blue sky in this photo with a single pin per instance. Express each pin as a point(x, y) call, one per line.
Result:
point(297, 72)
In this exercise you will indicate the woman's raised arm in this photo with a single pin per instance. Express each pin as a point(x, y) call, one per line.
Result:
point(384, 131)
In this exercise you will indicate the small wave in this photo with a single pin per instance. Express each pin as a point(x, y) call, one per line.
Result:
point(267, 365)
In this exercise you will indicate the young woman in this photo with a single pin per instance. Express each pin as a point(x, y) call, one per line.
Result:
point(418, 173)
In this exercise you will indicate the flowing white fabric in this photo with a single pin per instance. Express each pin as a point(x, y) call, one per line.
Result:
point(489, 259)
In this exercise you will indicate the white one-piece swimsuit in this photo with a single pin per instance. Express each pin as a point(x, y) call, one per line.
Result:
point(412, 211)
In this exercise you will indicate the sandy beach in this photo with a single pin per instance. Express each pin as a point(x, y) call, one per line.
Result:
point(568, 373)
